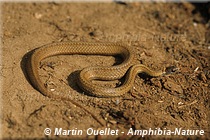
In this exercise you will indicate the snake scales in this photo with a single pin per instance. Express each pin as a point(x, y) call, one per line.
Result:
point(87, 75)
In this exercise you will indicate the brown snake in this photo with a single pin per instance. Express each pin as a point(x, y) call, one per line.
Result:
point(87, 75)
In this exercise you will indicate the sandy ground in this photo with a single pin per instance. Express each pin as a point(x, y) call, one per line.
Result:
point(163, 35)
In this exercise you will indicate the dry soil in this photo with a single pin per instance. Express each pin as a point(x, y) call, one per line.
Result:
point(163, 34)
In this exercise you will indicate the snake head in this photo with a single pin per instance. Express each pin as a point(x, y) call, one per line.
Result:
point(170, 70)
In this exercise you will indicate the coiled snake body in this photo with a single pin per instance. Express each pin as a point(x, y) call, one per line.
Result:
point(87, 75)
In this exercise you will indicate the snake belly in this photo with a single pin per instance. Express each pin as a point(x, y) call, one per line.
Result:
point(87, 75)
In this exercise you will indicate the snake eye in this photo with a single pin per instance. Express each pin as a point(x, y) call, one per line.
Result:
point(171, 69)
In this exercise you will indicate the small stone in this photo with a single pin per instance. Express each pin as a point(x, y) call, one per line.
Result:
point(113, 122)
point(180, 103)
point(52, 89)
point(38, 15)
point(160, 101)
